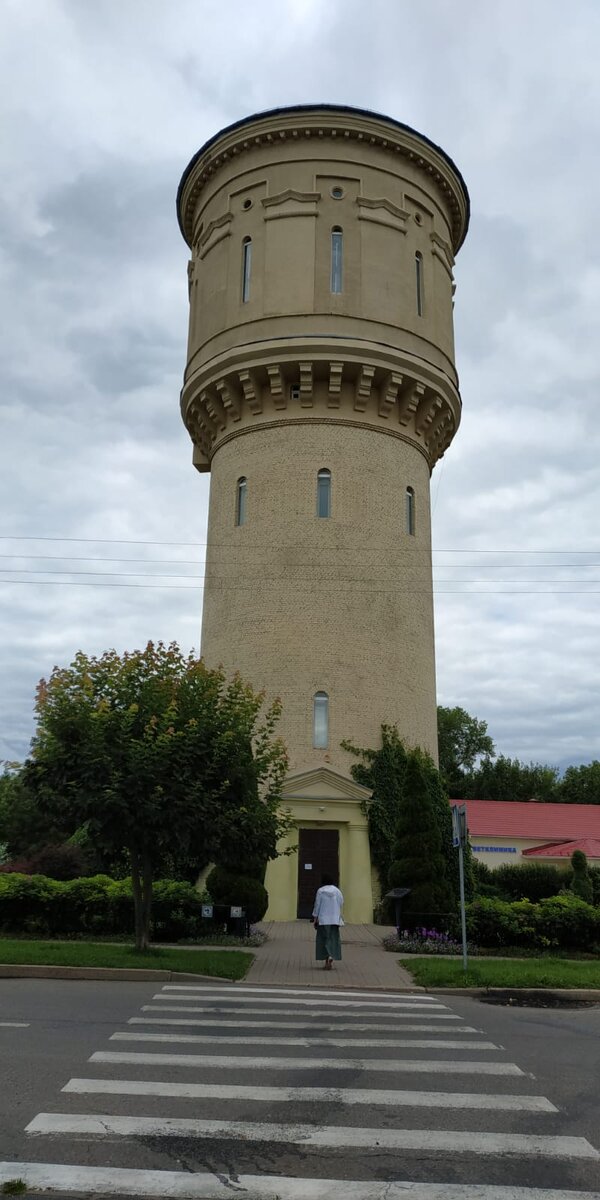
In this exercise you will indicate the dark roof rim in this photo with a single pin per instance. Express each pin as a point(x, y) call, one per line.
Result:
point(311, 108)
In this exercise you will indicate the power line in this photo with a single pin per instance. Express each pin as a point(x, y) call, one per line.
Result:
point(228, 581)
point(287, 545)
point(395, 588)
point(194, 562)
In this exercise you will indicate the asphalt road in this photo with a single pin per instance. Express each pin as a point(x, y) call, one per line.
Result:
point(446, 1092)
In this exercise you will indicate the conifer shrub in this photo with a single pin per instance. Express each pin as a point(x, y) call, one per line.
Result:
point(581, 884)
point(419, 862)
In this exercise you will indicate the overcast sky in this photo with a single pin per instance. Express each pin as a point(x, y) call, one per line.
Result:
point(104, 102)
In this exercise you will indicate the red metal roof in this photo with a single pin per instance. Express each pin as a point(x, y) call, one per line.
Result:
point(590, 847)
point(541, 822)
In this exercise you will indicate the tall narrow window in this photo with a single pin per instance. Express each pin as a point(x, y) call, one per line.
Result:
point(410, 510)
point(241, 498)
point(324, 493)
point(419, 282)
point(320, 720)
point(246, 268)
point(337, 254)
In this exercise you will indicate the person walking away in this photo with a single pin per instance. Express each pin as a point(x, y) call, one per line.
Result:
point(327, 918)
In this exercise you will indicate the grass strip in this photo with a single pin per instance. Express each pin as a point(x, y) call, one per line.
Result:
point(230, 964)
point(512, 973)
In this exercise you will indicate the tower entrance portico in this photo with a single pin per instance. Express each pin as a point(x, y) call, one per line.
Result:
point(329, 835)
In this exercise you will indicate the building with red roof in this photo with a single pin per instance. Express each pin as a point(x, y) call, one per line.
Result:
point(502, 831)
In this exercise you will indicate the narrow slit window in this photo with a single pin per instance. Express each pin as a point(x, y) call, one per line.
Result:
point(246, 268)
point(320, 720)
point(241, 498)
point(324, 493)
point(410, 511)
point(337, 254)
point(419, 282)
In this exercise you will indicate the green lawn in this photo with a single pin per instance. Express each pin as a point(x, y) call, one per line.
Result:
point(514, 973)
point(228, 964)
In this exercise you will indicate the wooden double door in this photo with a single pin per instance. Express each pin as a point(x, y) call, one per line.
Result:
point(318, 855)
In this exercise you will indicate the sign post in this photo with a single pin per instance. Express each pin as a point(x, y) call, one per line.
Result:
point(459, 841)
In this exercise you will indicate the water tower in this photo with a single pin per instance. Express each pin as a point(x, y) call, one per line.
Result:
point(320, 391)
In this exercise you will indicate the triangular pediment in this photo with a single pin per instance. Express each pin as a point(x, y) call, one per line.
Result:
point(321, 783)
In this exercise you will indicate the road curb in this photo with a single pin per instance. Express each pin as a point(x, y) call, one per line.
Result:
point(573, 993)
point(139, 975)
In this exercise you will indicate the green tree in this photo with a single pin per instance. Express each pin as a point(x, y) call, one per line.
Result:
point(508, 779)
point(25, 827)
point(462, 740)
point(581, 883)
point(418, 856)
point(581, 785)
point(156, 754)
point(384, 771)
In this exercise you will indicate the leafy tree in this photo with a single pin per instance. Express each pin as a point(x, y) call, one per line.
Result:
point(581, 884)
point(581, 785)
point(462, 740)
point(156, 754)
point(25, 826)
point(508, 779)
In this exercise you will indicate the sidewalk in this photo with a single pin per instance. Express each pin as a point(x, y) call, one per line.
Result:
point(288, 958)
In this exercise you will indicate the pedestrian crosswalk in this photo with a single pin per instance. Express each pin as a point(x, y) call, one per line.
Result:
point(303, 1094)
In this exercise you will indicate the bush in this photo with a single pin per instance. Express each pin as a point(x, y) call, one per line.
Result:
point(557, 922)
point(98, 905)
point(56, 862)
point(226, 887)
point(528, 881)
point(484, 880)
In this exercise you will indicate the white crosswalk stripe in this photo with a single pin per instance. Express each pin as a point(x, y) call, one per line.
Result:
point(180, 1185)
point(377, 998)
point(440, 1066)
point(302, 1095)
point(284, 1018)
point(326, 1030)
point(237, 1028)
point(345, 1043)
point(319, 1004)
point(309, 1135)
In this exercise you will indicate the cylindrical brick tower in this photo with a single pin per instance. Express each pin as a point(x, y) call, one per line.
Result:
point(320, 390)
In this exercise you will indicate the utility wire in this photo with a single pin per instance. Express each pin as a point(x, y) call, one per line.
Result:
point(13, 537)
point(251, 587)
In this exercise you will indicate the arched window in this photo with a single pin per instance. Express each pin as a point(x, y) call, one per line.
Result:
point(241, 498)
point(419, 282)
point(246, 268)
point(337, 253)
point(320, 720)
point(324, 493)
point(410, 510)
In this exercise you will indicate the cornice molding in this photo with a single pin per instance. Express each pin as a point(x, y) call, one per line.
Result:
point(269, 385)
point(361, 129)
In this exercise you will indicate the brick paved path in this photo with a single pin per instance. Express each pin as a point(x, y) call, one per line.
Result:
point(288, 957)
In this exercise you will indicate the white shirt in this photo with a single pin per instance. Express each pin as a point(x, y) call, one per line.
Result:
point(328, 905)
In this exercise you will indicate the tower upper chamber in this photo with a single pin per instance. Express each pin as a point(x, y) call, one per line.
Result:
point(321, 292)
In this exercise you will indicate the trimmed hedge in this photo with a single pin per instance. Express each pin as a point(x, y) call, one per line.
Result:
point(44, 907)
point(227, 888)
point(557, 922)
point(528, 880)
